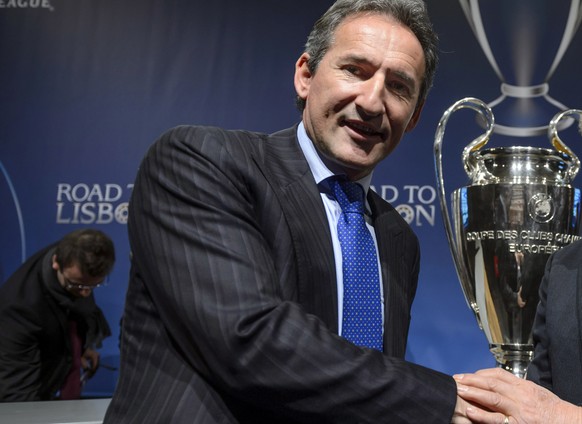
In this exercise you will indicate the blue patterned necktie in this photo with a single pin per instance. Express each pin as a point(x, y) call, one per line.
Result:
point(362, 308)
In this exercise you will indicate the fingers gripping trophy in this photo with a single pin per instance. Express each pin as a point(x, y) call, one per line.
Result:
point(519, 208)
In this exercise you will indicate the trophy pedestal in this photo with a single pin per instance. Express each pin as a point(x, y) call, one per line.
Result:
point(513, 358)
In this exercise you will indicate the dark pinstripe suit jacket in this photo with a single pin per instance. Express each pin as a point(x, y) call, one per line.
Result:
point(557, 363)
point(231, 310)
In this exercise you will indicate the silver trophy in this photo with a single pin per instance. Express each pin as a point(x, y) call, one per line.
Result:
point(518, 209)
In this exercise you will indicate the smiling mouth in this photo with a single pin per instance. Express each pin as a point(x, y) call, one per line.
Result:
point(363, 129)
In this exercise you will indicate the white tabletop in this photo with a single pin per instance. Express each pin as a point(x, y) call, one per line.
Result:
point(85, 411)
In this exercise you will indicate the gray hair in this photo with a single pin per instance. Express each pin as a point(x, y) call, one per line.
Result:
point(412, 13)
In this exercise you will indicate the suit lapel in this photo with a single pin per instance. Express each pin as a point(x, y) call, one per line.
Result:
point(389, 236)
point(287, 171)
point(289, 175)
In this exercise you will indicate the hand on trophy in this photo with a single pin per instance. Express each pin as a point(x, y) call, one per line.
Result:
point(498, 397)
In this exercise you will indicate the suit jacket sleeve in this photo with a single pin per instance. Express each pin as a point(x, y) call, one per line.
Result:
point(539, 370)
point(557, 333)
point(203, 227)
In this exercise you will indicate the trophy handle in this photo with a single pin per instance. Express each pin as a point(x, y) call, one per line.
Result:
point(485, 113)
point(559, 145)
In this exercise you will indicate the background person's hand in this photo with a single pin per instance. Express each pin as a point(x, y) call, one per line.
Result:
point(90, 362)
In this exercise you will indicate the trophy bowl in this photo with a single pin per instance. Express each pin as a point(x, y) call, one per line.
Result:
point(519, 208)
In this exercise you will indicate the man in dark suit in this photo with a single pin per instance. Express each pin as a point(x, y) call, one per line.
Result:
point(233, 311)
point(50, 324)
point(554, 394)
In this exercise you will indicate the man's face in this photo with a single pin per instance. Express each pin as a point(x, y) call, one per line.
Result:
point(363, 96)
point(74, 281)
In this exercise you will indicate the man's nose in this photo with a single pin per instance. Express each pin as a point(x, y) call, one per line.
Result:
point(85, 292)
point(371, 100)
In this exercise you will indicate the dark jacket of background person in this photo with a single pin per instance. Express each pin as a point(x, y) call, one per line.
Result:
point(35, 349)
point(557, 332)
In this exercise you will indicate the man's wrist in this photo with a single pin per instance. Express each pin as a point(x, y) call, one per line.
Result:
point(569, 413)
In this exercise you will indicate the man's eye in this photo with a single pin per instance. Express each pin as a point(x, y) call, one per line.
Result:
point(352, 70)
point(399, 87)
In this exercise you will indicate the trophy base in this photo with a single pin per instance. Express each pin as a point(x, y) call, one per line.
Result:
point(513, 358)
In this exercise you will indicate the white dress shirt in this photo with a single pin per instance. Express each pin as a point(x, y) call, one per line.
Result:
point(333, 210)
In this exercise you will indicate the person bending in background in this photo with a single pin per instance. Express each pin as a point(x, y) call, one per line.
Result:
point(50, 324)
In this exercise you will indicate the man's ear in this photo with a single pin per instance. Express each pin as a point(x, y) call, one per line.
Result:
point(303, 76)
point(55, 264)
point(415, 116)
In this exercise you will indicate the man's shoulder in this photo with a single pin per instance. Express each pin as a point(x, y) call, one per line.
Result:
point(200, 133)
point(201, 130)
point(23, 296)
point(29, 270)
point(211, 141)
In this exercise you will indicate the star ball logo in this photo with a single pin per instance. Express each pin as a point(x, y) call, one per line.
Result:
point(26, 4)
point(83, 203)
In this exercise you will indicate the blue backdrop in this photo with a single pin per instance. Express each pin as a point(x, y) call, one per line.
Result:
point(88, 85)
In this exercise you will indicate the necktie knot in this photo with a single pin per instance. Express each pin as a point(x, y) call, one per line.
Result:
point(350, 196)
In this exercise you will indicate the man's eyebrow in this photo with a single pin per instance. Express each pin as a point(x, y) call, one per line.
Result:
point(363, 60)
point(407, 78)
point(356, 58)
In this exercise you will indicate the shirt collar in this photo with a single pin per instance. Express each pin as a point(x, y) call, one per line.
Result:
point(316, 165)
